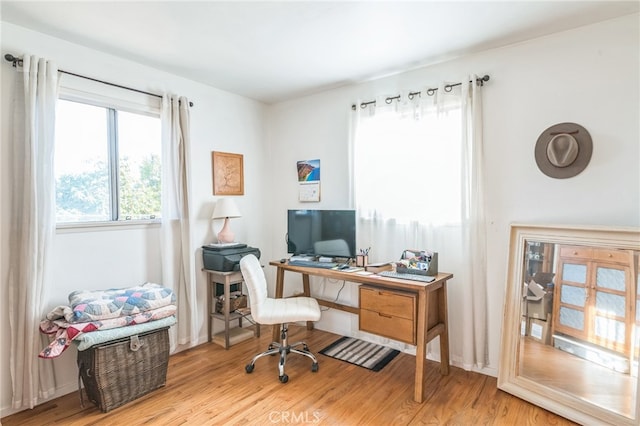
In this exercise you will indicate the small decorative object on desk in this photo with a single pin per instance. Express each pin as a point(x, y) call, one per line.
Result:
point(419, 262)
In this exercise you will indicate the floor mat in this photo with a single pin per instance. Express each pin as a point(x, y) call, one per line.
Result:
point(364, 354)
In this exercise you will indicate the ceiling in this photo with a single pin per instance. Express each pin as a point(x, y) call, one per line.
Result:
point(277, 50)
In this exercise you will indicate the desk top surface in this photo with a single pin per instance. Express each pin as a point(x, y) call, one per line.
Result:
point(363, 278)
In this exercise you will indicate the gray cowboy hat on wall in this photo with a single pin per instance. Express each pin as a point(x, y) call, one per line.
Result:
point(563, 150)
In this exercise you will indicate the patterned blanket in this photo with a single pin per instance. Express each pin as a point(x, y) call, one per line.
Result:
point(65, 331)
point(105, 309)
point(87, 340)
point(118, 302)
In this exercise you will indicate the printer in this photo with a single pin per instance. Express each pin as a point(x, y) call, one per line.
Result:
point(226, 257)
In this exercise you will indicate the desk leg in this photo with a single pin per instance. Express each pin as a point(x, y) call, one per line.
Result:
point(279, 294)
point(421, 348)
point(307, 292)
point(443, 317)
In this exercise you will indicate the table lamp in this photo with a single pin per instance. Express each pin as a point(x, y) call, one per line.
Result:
point(225, 208)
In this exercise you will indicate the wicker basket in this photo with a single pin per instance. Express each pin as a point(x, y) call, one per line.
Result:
point(234, 303)
point(122, 370)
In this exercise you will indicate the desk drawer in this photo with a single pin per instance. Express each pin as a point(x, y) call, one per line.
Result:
point(389, 302)
point(392, 327)
point(388, 313)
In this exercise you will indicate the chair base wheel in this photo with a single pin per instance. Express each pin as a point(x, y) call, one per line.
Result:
point(283, 350)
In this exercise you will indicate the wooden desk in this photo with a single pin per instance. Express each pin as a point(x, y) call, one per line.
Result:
point(431, 321)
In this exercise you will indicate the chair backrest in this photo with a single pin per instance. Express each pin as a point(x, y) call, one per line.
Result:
point(256, 283)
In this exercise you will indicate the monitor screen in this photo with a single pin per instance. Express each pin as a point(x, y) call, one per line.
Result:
point(329, 233)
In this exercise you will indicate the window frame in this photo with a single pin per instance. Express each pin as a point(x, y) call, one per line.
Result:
point(85, 91)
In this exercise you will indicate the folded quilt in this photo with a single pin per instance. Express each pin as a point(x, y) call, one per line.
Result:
point(86, 340)
point(66, 331)
point(95, 305)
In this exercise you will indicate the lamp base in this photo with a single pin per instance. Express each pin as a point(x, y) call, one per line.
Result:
point(226, 235)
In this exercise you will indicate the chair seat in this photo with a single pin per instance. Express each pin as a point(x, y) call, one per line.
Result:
point(278, 311)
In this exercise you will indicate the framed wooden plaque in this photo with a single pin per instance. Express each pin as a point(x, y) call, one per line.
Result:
point(228, 173)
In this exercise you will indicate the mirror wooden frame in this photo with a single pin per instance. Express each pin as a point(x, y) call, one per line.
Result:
point(554, 400)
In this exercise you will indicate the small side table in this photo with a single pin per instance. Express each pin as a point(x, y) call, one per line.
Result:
point(227, 279)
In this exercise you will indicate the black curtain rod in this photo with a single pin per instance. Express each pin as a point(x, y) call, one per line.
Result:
point(18, 62)
point(430, 92)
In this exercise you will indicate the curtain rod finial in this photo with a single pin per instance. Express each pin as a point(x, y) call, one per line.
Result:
point(14, 60)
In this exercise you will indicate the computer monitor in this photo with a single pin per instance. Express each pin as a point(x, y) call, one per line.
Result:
point(327, 233)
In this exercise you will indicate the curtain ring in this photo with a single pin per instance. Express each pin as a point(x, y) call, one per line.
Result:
point(431, 92)
point(448, 88)
point(391, 99)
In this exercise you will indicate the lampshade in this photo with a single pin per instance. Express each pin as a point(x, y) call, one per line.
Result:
point(225, 208)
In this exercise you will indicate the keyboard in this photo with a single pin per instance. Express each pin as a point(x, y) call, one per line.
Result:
point(313, 264)
point(413, 277)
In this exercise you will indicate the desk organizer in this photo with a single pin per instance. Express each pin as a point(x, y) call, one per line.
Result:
point(119, 371)
point(431, 267)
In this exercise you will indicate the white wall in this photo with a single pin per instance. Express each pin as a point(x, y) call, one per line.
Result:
point(589, 76)
point(114, 257)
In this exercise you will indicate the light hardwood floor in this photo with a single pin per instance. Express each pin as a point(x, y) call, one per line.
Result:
point(207, 385)
point(586, 380)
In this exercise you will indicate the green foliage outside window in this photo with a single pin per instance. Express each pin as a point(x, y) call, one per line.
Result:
point(86, 196)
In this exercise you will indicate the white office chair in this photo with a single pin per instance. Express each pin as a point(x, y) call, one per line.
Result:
point(266, 310)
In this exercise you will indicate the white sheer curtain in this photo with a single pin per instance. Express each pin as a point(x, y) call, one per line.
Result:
point(177, 259)
point(417, 172)
point(32, 227)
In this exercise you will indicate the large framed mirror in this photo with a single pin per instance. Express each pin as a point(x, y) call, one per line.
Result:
point(571, 325)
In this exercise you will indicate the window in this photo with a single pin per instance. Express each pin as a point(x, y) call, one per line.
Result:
point(107, 162)
point(408, 162)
